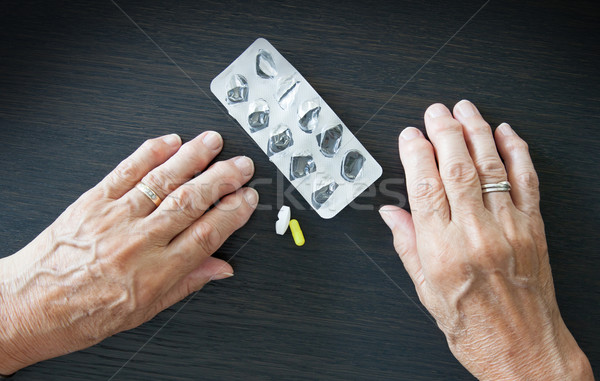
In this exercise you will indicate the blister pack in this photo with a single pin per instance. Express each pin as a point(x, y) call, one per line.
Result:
point(295, 128)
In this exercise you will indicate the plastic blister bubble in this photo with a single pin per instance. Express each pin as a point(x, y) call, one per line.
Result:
point(265, 66)
point(258, 115)
point(308, 115)
point(238, 89)
point(280, 140)
point(286, 91)
point(323, 188)
point(295, 128)
point(352, 165)
point(330, 139)
point(302, 165)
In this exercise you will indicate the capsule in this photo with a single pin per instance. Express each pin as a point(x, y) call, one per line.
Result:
point(296, 232)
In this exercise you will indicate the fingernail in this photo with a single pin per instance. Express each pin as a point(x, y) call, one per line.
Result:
point(221, 276)
point(505, 129)
point(251, 196)
point(409, 133)
point(387, 217)
point(467, 109)
point(172, 140)
point(245, 165)
point(212, 140)
point(437, 110)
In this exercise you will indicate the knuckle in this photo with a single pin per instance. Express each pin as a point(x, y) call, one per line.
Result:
point(228, 186)
point(492, 167)
point(184, 202)
point(128, 207)
point(224, 170)
point(233, 204)
point(480, 128)
point(126, 170)
point(517, 145)
point(447, 124)
point(528, 181)
point(206, 236)
point(189, 150)
point(460, 171)
point(147, 143)
point(153, 147)
point(205, 196)
point(228, 176)
point(426, 189)
point(162, 180)
point(417, 146)
point(219, 167)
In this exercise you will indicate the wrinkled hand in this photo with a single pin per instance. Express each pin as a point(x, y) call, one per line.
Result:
point(113, 259)
point(480, 261)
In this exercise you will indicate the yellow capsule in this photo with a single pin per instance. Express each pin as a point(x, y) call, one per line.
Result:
point(296, 232)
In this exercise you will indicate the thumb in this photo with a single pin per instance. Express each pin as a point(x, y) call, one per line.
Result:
point(405, 242)
point(211, 269)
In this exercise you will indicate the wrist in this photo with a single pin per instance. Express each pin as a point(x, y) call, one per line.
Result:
point(8, 364)
point(558, 359)
point(17, 326)
point(9, 311)
point(575, 364)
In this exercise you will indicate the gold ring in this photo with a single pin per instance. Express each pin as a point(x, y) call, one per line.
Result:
point(145, 189)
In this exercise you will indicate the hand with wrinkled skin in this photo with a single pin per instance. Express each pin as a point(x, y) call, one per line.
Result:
point(479, 262)
point(113, 260)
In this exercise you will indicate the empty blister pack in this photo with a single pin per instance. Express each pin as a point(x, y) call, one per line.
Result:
point(295, 128)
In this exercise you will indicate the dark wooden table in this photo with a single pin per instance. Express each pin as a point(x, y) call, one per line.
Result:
point(81, 87)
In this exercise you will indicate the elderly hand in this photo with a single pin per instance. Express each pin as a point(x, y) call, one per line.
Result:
point(479, 262)
point(113, 259)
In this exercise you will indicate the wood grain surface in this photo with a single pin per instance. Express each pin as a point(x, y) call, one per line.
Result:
point(81, 87)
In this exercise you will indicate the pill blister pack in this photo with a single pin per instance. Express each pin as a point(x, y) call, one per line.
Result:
point(295, 128)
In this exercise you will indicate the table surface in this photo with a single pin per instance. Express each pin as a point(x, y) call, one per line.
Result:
point(81, 86)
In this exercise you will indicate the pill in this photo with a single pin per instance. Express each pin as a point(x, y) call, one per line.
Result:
point(296, 232)
point(283, 220)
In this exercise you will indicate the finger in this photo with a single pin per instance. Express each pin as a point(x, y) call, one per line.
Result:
point(426, 195)
point(457, 170)
point(189, 202)
point(521, 173)
point(482, 148)
point(405, 242)
point(210, 269)
point(149, 155)
point(200, 240)
point(193, 157)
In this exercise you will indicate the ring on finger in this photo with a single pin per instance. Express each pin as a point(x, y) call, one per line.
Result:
point(149, 192)
point(502, 186)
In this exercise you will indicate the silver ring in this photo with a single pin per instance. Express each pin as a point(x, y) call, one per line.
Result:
point(149, 192)
point(502, 186)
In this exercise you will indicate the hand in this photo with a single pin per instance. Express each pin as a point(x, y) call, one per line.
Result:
point(479, 262)
point(113, 259)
